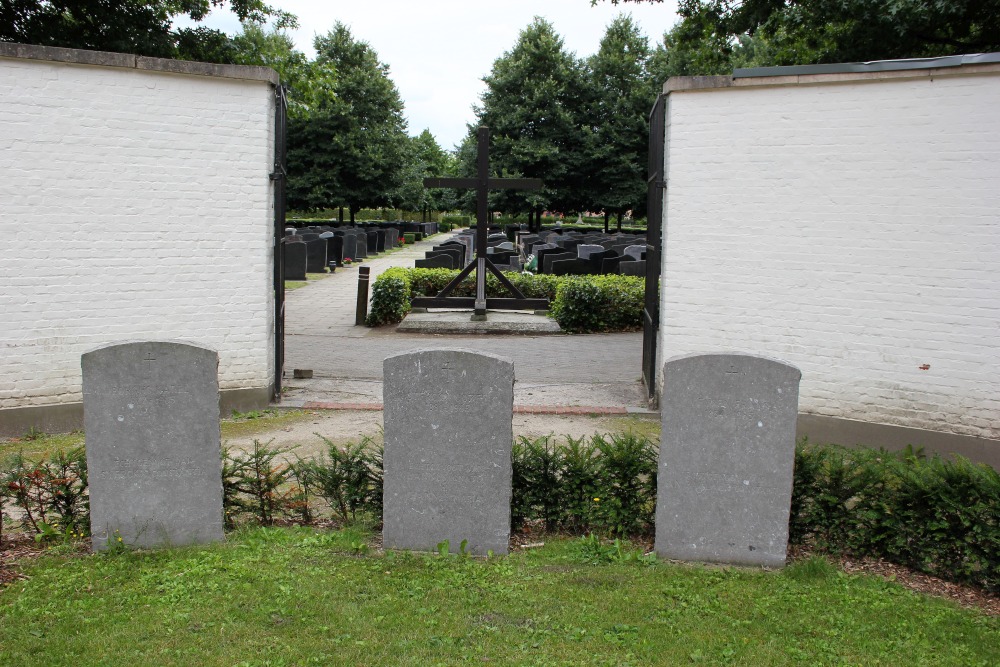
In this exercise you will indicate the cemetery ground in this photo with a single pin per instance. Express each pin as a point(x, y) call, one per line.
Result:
point(298, 596)
point(328, 594)
point(325, 591)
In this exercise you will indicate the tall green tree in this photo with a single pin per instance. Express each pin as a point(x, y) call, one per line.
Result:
point(350, 149)
point(534, 105)
point(142, 27)
point(620, 116)
point(425, 158)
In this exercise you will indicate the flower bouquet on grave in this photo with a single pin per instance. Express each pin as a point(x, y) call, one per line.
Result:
point(348, 261)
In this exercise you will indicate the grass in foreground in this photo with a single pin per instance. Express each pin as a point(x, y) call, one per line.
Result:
point(300, 597)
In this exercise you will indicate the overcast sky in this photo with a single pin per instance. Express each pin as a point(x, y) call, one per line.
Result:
point(439, 50)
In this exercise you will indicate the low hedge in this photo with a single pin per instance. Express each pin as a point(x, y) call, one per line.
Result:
point(933, 515)
point(457, 220)
point(580, 304)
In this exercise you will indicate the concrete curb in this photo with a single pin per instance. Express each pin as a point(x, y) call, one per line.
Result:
point(518, 409)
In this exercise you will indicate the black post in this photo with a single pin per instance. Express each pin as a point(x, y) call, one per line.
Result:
point(362, 312)
point(482, 220)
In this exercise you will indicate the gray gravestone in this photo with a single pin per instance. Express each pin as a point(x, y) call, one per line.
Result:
point(448, 438)
point(151, 415)
point(727, 452)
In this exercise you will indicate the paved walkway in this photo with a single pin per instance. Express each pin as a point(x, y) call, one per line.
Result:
point(586, 371)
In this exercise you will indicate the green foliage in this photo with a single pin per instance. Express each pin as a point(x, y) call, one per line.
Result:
point(592, 549)
point(936, 516)
point(457, 220)
point(534, 105)
point(254, 484)
point(606, 484)
point(351, 148)
point(425, 158)
point(390, 298)
point(51, 493)
point(409, 238)
point(140, 27)
point(714, 36)
point(349, 479)
point(302, 596)
point(620, 119)
point(578, 303)
point(599, 303)
point(626, 476)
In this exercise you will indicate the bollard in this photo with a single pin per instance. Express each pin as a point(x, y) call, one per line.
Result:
point(362, 312)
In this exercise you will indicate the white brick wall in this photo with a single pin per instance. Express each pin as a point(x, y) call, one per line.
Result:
point(851, 229)
point(133, 205)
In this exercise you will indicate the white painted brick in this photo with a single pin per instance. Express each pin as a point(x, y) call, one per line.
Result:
point(118, 187)
point(852, 230)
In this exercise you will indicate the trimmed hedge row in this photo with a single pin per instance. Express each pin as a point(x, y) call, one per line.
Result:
point(580, 304)
point(936, 516)
point(457, 220)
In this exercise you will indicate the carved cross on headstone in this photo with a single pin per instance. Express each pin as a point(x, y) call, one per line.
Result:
point(483, 184)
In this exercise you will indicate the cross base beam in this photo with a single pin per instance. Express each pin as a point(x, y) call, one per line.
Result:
point(492, 303)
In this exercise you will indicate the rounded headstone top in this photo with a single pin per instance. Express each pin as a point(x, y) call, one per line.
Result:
point(735, 359)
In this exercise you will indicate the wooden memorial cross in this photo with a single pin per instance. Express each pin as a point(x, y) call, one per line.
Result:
point(483, 184)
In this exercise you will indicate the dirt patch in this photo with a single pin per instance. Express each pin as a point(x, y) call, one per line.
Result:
point(16, 549)
point(303, 434)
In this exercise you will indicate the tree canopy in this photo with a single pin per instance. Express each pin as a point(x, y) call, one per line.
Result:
point(533, 104)
point(348, 148)
point(791, 32)
point(142, 27)
point(620, 117)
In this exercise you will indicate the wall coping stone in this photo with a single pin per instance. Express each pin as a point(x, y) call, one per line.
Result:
point(132, 61)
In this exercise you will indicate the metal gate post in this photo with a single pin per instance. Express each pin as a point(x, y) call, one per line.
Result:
point(654, 243)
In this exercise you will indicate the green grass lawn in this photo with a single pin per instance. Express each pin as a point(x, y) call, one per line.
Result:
point(300, 597)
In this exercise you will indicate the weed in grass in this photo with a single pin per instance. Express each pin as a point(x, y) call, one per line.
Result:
point(252, 414)
point(34, 434)
point(812, 569)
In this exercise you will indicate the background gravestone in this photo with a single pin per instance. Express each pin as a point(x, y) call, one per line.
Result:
point(727, 452)
point(151, 415)
point(295, 260)
point(448, 438)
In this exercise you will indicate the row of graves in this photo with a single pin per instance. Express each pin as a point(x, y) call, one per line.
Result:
point(316, 248)
point(458, 251)
point(151, 411)
point(554, 252)
point(561, 253)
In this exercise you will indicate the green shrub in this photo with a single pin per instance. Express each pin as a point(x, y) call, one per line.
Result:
point(626, 483)
point(51, 493)
point(578, 303)
point(390, 298)
point(349, 479)
point(409, 237)
point(606, 484)
point(456, 220)
point(935, 516)
point(444, 226)
point(599, 303)
point(255, 483)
